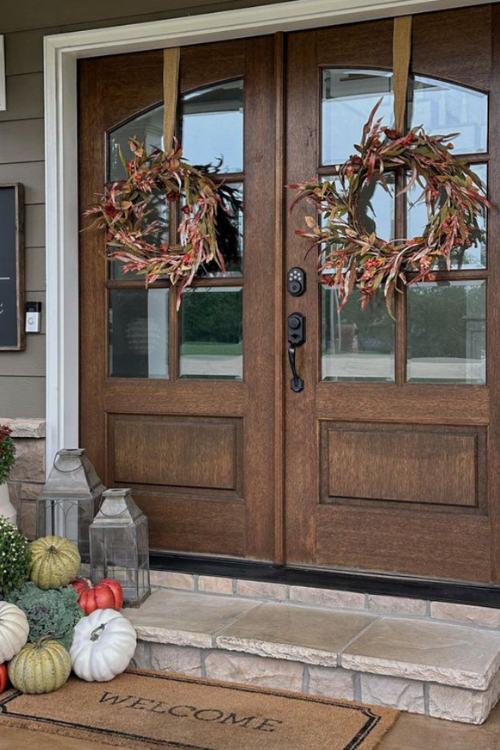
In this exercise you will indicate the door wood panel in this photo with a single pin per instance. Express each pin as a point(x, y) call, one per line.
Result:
point(430, 465)
point(200, 452)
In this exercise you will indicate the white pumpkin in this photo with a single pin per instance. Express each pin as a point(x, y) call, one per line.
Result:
point(103, 645)
point(14, 630)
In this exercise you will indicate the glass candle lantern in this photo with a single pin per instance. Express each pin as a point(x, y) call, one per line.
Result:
point(69, 499)
point(119, 545)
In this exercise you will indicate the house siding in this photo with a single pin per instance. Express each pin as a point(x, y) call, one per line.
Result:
point(25, 23)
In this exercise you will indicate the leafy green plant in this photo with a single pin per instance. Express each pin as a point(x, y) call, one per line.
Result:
point(15, 557)
point(7, 453)
point(54, 612)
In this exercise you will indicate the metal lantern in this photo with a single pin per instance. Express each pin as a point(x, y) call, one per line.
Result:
point(69, 499)
point(119, 545)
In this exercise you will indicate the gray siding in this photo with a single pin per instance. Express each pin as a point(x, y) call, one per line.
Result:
point(25, 22)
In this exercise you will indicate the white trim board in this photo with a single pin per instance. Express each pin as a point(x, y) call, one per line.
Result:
point(61, 54)
point(3, 92)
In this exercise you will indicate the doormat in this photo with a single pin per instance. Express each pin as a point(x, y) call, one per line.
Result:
point(144, 709)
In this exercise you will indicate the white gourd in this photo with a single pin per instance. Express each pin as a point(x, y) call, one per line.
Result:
point(103, 645)
point(14, 631)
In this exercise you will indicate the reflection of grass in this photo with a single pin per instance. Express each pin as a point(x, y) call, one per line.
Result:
point(211, 348)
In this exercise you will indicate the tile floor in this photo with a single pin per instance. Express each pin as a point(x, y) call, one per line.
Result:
point(409, 733)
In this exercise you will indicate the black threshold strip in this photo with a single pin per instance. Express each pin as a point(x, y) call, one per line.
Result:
point(484, 595)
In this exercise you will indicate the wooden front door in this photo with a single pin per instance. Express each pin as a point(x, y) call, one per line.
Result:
point(179, 406)
point(389, 458)
point(393, 446)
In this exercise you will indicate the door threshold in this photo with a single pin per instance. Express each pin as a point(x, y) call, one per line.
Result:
point(459, 592)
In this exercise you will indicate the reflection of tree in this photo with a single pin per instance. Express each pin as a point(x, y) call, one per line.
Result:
point(438, 318)
point(212, 316)
point(353, 329)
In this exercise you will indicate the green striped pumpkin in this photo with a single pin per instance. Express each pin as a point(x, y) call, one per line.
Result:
point(55, 562)
point(40, 667)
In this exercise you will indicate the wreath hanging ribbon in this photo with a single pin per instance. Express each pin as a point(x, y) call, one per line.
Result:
point(349, 256)
point(132, 211)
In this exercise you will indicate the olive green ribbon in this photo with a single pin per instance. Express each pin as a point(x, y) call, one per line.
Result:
point(401, 54)
point(171, 61)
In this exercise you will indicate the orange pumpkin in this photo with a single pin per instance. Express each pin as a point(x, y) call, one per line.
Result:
point(4, 677)
point(107, 594)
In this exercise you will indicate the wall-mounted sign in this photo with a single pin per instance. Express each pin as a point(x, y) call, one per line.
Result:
point(11, 267)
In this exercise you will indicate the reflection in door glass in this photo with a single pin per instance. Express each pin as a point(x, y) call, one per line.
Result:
point(212, 126)
point(138, 333)
point(230, 237)
point(356, 344)
point(348, 98)
point(159, 211)
point(211, 334)
point(416, 216)
point(444, 108)
point(375, 206)
point(447, 332)
point(147, 127)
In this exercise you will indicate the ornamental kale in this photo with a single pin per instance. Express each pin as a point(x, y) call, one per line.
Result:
point(15, 557)
point(7, 453)
point(54, 612)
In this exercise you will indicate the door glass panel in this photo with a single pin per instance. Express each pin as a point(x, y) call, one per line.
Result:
point(138, 333)
point(447, 332)
point(356, 344)
point(147, 127)
point(444, 108)
point(375, 206)
point(473, 257)
point(159, 211)
point(347, 100)
point(212, 125)
point(230, 238)
point(211, 333)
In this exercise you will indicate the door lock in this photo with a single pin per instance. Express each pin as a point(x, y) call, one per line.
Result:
point(296, 281)
point(296, 337)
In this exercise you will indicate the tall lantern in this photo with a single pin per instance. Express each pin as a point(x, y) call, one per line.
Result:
point(69, 499)
point(119, 545)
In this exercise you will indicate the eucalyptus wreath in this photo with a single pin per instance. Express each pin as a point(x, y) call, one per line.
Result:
point(135, 214)
point(349, 255)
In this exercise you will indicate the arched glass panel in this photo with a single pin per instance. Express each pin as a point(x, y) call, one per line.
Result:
point(348, 96)
point(211, 129)
point(444, 108)
point(146, 127)
point(212, 125)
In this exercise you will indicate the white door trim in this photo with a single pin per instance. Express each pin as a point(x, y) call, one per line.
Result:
point(61, 153)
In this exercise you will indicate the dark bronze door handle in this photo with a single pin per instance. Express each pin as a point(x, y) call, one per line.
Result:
point(296, 337)
point(296, 382)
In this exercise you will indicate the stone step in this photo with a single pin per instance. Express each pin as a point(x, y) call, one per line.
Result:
point(422, 666)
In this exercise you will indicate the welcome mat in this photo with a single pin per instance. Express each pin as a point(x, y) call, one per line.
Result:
point(144, 709)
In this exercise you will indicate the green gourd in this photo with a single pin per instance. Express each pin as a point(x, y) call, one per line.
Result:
point(55, 562)
point(40, 667)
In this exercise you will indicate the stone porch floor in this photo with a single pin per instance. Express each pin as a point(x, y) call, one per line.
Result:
point(415, 664)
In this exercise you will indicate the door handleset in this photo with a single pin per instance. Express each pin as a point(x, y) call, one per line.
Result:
point(296, 328)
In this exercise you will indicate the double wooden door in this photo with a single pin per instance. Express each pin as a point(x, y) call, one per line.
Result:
point(388, 459)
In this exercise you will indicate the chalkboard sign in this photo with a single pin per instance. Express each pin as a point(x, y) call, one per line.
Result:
point(11, 267)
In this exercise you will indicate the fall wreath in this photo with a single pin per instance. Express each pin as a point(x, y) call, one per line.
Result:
point(351, 256)
point(135, 214)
